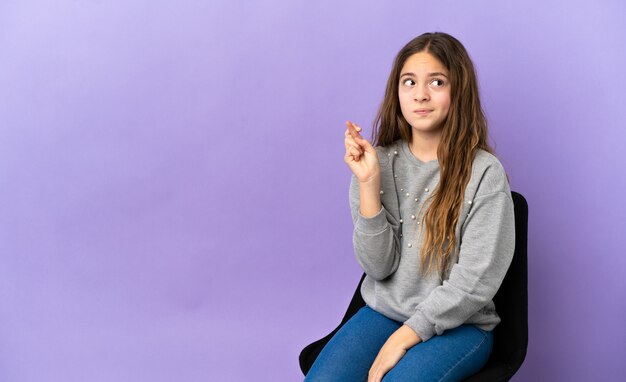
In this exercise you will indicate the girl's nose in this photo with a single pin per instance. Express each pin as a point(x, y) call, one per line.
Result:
point(421, 94)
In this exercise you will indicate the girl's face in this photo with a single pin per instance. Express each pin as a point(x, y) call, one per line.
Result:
point(424, 92)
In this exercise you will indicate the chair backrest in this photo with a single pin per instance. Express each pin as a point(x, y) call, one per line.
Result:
point(511, 300)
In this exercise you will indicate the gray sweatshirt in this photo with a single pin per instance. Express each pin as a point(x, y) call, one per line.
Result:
point(387, 245)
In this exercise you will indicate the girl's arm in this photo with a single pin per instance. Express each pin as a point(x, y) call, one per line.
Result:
point(486, 251)
point(369, 198)
point(375, 240)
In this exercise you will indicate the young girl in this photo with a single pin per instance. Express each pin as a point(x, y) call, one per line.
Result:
point(434, 228)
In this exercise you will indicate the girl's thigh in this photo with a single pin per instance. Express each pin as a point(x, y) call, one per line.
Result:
point(350, 353)
point(453, 356)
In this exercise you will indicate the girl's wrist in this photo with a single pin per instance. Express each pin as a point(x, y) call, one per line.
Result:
point(371, 182)
point(406, 337)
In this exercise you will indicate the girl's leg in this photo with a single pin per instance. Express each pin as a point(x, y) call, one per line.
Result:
point(349, 354)
point(453, 356)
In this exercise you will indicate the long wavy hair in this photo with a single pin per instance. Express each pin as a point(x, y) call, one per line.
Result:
point(464, 133)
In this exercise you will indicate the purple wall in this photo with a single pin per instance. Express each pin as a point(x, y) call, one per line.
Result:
point(174, 201)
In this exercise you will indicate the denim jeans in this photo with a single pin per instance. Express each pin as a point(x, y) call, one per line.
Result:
point(452, 356)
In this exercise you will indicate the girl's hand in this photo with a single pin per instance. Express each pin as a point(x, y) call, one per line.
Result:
point(387, 358)
point(392, 351)
point(360, 156)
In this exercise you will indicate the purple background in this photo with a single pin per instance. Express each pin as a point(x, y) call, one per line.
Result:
point(173, 196)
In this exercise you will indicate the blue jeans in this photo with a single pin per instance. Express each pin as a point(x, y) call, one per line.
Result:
point(453, 356)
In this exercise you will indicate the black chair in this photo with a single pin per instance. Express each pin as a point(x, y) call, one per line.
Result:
point(511, 300)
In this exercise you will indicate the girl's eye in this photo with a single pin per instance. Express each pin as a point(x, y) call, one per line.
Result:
point(437, 82)
point(408, 82)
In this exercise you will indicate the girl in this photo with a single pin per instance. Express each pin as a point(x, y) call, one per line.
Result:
point(434, 228)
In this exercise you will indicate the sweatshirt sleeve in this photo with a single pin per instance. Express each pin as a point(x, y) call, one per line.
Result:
point(486, 251)
point(375, 238)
